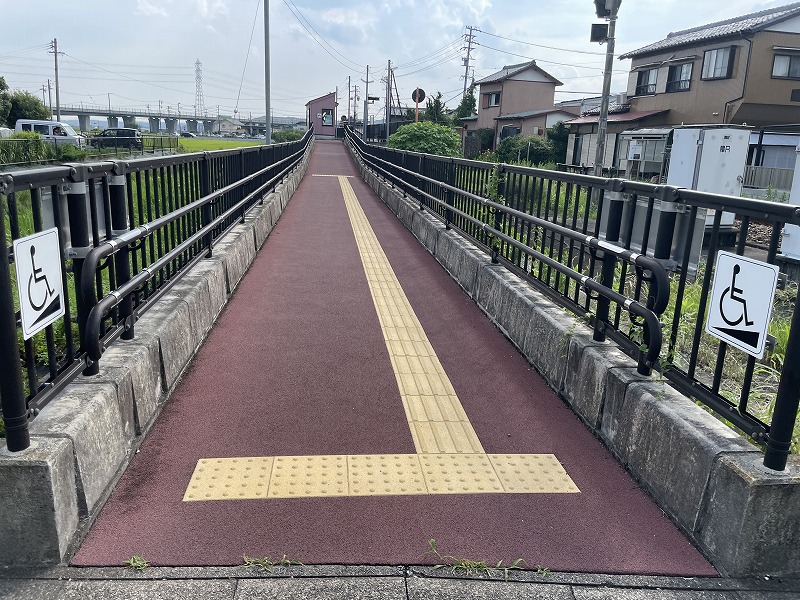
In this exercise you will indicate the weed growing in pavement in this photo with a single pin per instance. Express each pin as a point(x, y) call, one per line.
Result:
point(137, 563)
point(267, 564)
point(466, 566)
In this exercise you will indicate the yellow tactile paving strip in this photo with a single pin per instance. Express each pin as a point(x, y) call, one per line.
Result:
point(376, 475)
point(437, 420)
point(450, 458)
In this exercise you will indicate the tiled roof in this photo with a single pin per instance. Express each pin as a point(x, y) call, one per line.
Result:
point(511, 70)
point(614, 108)
point(531, 113)
point(746, 23)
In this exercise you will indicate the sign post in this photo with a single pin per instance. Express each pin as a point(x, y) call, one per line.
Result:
point(418, 95)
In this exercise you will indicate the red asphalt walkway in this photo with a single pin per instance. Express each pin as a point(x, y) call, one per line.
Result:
point(297, 365)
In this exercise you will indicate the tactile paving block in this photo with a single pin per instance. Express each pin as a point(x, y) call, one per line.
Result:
point(229, 479)
point(532, 473)
point(460, 474)
point(385, 475)
point(308, 476)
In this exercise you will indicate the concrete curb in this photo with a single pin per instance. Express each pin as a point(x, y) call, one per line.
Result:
point(82, 441)
point(708, 479)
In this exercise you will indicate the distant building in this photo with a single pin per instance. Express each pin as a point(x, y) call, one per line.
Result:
point(518, 99)
point(321, 114)
point(744, 70)
point(230, 126)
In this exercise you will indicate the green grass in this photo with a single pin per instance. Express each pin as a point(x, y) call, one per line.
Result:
point(136, 563)
point(266, 564)
point(203, 144)
point(468, 566)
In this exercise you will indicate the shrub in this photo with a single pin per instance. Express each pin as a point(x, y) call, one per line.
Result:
point(531, 150)
point(286, 135)
point(426, 137)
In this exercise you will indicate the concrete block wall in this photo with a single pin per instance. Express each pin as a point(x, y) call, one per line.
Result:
point(708, 479)
point(83, 440)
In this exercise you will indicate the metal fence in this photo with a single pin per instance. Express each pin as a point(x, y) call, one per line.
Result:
point(128, 230)
point(562, 231)
point(768, 178)
point(23, 153)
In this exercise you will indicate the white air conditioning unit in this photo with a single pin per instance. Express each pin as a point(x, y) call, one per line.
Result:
point(621, 98)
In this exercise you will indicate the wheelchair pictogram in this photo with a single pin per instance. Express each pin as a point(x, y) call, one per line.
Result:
point(734, 294)
point(34, 282)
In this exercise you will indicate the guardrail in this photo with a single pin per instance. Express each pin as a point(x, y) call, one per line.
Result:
point(562, 230)
point(128, 230)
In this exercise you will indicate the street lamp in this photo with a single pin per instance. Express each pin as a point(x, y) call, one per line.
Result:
point(605, 9)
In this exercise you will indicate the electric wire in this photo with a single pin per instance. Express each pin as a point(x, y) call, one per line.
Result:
point(542, 45)
point(247, 56)
point(297, 15)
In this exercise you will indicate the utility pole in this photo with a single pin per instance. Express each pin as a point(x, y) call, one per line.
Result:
point(50, 97)
point(470, 39)
point(366, 102)
point(388, 100)
point(348, 98)
point(268, 114)
point(606, 9)
point(54, 45)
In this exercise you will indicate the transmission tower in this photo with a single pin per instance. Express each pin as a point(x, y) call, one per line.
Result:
point(199, 104)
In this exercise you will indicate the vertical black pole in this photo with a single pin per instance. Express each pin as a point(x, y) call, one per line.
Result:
point(779, 439)
point(15, 411)
point(80, 242)
point(613, 226)
point(205, 190)
point(122, 265)
point(451, 180)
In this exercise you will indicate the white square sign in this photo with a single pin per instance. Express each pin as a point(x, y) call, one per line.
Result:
point(740, 307)
point(37, 259)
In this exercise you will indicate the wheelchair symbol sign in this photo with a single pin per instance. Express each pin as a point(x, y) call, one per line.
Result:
point(741, 302)
point(37, 259)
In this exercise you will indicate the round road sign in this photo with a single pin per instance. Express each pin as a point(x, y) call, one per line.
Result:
point(418, 95)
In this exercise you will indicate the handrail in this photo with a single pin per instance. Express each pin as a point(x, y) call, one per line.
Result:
point(659, 280)
point(99, 308)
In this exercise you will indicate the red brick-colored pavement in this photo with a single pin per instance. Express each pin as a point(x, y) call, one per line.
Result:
point(297, 365)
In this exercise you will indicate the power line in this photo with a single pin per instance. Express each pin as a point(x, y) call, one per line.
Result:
point(247, 56)
point(303, 25)
point(539, 60)
point(541, 45)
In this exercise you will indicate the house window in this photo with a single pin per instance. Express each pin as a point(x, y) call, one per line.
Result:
point(679, 78)
point(786, 66)
point(491, 99)
point(718, 63)
point(646, 82)
point(509, 131)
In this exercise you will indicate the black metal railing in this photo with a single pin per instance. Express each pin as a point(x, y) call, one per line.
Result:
point(128, 230)
point(560, 230)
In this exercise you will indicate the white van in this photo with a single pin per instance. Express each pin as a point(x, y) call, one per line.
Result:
point(53, 130)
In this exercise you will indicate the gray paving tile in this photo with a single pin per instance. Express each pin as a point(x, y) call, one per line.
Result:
point(355, 588)
point(118, 590)
point(447, 589)
point(582, 593)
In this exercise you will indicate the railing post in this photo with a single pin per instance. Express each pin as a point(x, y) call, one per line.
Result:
point(613, 227)
point(499, 216)
point(779, 438)
point(242, 175)
point(450, 199)
point(206, 214)
point(12, 399)
point(119, 225)
point(80, 245)
point(666, 223)
point(420, 181)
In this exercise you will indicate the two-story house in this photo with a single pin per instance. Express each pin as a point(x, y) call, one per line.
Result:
point(518, 99)
point(744, 70)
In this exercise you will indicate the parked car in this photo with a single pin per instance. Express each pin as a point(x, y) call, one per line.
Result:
point(119, 137)
point(188, 134)
point(52, 131)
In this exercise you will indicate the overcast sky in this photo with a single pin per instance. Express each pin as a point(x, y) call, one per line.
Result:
point(143, 52)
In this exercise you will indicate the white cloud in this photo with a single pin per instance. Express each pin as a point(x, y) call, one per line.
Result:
point(147, 8)
point(211, 9)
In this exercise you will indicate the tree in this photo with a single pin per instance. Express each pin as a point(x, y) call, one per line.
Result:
point(468, 105)
point(25, 105)
point(5, 101)
point(558, 135)
point(426, 137)
point(434, 110)
point(532, 149)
